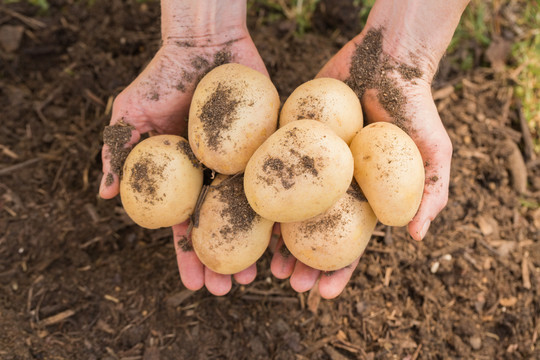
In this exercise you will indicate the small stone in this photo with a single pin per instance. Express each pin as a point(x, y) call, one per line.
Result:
point(10, 37)
point(476, 342)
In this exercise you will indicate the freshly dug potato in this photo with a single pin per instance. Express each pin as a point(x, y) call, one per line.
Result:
point(228, 236)
point(334, 239)
point(389, 169)
point(299, 172)
point(327, 100)
point(234, 109)
point(161, 182)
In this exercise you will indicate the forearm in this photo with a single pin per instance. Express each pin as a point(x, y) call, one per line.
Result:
point(211, 21)
point(423, 28)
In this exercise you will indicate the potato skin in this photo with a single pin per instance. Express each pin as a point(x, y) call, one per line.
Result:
point(233, 111)
point(335, 238)
point(390, 171)
point(326, 100)
point(299, 172)
point(161, 182)
point(229, 236)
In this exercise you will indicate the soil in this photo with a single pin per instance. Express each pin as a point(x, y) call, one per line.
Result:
point(116, 137)
point(236, 213)
point(78, 280)
point(217, 115)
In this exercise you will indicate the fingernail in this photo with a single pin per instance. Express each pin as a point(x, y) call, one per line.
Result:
point(425, 229)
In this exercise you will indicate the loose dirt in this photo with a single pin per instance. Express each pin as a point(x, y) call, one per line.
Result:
point(78, 280)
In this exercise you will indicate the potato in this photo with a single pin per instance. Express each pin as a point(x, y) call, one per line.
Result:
point(234, 109)
point(228, 235)
point(299, 172)
point(161, 182)
point(335, 238)
point(390, 171)
point(327, 100)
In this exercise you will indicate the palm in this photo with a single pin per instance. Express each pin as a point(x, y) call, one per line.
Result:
point(158, 100)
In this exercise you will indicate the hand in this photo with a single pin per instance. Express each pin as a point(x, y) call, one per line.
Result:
point(158, 101)
point(390, 66)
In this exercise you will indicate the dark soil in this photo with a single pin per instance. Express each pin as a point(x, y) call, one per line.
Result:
point(218, 114)
point(78, 280)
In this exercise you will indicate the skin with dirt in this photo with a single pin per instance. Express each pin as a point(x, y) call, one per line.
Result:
point(370, 69)
point(116, 137)
point(78, 280)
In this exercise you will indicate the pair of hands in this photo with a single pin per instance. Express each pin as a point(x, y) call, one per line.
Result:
point(158, 101)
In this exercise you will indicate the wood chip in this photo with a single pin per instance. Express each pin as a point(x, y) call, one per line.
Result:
point(525, 274)
point(443, 92)
point(55, 319)
point(516, 166)
point(508, 302)
point(314, 298)
point(387, 276)
point(178, 298)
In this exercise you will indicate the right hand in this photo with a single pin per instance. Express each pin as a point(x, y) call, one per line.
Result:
point(158, 101)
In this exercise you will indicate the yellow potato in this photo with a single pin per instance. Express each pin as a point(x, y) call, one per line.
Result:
point(234, 109)
point(390, 171)
point(327, 100)
point(335, 238)
point(299, 172)
point(161, 182)
point(228, 235)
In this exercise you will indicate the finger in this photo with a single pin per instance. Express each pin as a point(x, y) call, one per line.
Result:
point(282, 264)
point(217, 284)
point(436, 150)
point(190, 267)
point(332, 284)
point(246, 276)
point(113, 158)
point(303, 277)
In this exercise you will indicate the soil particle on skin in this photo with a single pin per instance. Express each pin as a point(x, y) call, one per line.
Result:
point(109, 179)
point(184, 244)
point(237, 212)
point(144, 175)
point(116, 137)
point(276, 169)
point(218, 114)
point(202, 66)
point(370, 69)
point(355, 191)
point(184, 147)
point(330, 221)
point(309, 108)
point(284, 251)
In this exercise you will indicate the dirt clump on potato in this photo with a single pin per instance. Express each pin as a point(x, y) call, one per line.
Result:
point(239, 215)
point(144, 175)
point(184, 147)
point(218, 114)
point(275, 168)
point(116, 137)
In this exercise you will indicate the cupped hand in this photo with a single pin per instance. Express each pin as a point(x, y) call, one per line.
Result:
point(394, 85)
point(157, 101)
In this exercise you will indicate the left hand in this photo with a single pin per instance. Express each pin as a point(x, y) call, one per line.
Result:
point(390, 66)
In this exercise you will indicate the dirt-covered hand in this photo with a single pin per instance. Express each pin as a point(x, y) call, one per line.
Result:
point(390, 66)
point(157, 101)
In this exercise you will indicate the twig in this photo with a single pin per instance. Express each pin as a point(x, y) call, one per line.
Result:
point(16, 167)
point(31, 22)
point(526, 276)
point(528, 147)
point(51, 320)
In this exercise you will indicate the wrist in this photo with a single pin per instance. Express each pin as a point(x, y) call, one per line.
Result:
point(416, 31)
point(202, 23)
